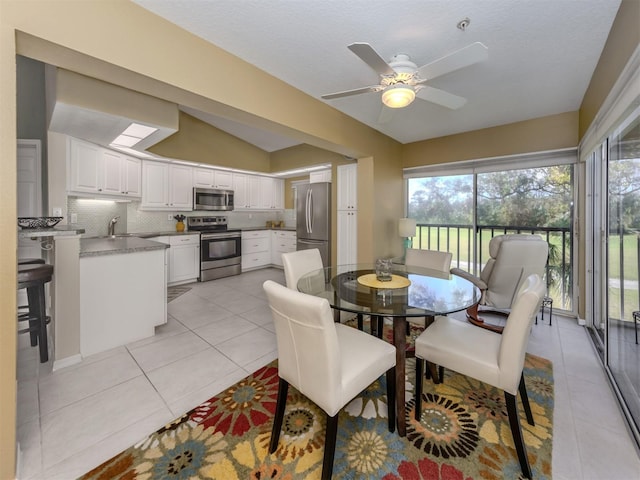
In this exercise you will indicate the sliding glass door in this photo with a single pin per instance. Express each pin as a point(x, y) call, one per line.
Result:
point(623, 261)
point(461, 213)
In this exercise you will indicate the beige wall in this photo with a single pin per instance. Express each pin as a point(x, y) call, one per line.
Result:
point(303, 156)
point(540, 134)
point(199, 142)
point(8, 246)
point(621, 43)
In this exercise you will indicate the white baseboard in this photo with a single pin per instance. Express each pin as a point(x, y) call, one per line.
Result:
point(67, 362)
point(582, 322)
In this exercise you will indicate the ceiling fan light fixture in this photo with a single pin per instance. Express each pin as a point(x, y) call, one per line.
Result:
point(398, 95)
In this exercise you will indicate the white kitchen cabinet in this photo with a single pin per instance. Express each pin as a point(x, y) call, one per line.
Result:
point(253, 186)
point(247, 191)
point(271, 193)
point(282, 241)
point(84, 167)
point(320, 176)
point(100, 171)
point(347, 237)
point(120, 174)
point(256, 249)
point(181, 187)
point(240, 191)
point(166, 186)
point(278, 194)
point(211, 178)
point(266, 193)
point(132, 176)
point(184, 258)
point(347, 187)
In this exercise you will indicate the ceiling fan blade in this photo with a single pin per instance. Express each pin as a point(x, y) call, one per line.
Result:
point(386, 114)
point(369, 56)
point(355, 91)
point(474, 53)
point(440, 97)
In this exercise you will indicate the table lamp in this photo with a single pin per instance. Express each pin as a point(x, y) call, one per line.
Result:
point(407, 229)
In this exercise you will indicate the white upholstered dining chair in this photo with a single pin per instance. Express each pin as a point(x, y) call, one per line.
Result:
point(487, 356)
point(298, 263)
point(327, 362)
point(433, 260)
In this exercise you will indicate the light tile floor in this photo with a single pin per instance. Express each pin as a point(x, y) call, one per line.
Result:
point(71, 420)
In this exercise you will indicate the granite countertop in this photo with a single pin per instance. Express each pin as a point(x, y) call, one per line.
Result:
point(64, 230)
point(92, 247)
point(250, 229)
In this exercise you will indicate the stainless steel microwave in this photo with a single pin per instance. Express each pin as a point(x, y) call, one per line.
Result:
point(212, 199)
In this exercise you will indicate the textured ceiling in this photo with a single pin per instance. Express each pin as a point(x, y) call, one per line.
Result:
point(542, 53)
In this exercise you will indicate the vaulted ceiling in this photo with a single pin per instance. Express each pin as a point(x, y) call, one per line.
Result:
point(541, 54)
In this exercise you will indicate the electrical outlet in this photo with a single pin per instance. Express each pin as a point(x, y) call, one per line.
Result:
point(169, 217)
point(57, 211)
point(74, 218)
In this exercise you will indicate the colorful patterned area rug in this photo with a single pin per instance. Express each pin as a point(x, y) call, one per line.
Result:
point(463, 434)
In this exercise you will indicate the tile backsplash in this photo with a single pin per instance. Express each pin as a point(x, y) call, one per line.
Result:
point(94, 217)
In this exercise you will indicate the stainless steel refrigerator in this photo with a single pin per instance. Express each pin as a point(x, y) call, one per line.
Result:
point(313, 219)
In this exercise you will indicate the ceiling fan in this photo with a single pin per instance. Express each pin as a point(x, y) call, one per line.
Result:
point(401, 80)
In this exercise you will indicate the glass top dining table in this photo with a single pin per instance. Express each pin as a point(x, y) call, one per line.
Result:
point(413, 292)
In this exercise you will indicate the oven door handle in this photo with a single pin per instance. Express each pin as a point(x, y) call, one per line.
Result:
point(219, 235)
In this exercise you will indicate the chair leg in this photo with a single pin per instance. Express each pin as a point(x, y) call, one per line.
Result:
point(514, 423)
point(391, 398)
point(329, 446)
point(281, 402)
point(360, 322)
point(379, 325)
point(32, 299)
point(441, 374)
point(418, 389)
point(522, 388)
point(42, 326)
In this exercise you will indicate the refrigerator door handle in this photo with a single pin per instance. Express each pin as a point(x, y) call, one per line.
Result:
point(308, 211)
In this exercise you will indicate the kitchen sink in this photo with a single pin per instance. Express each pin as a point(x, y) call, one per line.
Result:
point(118, 235)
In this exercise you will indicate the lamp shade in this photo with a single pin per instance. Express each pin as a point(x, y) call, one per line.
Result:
point(398, 95)
point(407, 227)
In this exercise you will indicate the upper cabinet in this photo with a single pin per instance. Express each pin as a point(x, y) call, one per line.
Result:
point(167, 186)
point(255, 192)
point(271, 193)
point(320, 176)
point(210, 178)
point(96, 170)
point(348, 187)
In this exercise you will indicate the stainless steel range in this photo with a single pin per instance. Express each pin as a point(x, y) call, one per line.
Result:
point(220, 247)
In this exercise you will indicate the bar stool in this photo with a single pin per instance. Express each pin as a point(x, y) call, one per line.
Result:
point(546, 302)
point(33, 277)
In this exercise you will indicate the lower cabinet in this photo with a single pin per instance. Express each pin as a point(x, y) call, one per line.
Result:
point(183, 257)
point(137, 282)
point(256, 249)
point(281, 242)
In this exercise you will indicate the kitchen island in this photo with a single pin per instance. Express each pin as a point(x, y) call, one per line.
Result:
point(123, 293)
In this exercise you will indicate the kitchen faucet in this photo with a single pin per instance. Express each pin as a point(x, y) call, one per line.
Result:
point(112, 225)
